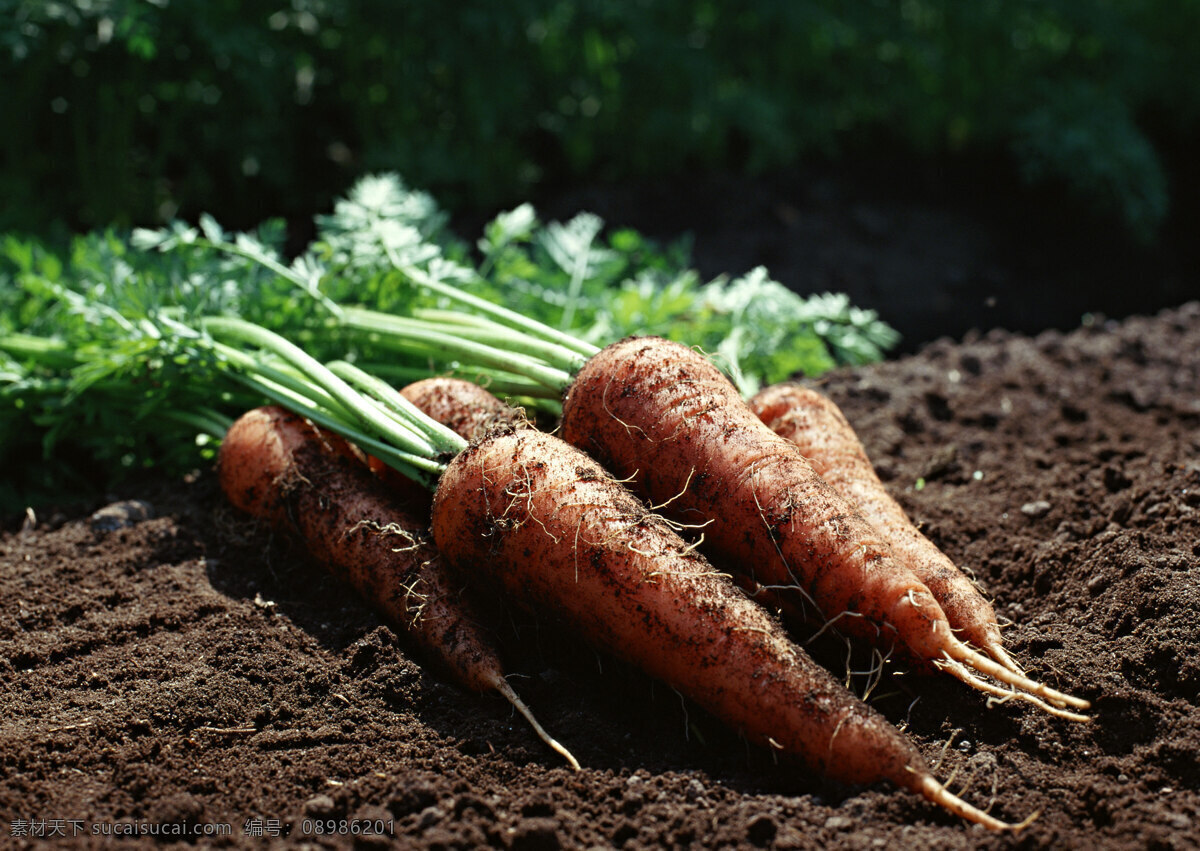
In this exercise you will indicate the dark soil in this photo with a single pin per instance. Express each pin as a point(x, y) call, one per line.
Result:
point(180, 666)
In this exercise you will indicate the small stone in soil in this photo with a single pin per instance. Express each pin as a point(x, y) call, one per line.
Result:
point(1040, 508)
point(120, 515)
point(319, 806)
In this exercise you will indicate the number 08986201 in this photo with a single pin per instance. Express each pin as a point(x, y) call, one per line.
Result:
point(347, 827)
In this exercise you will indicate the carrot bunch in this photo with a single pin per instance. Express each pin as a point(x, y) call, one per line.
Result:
point(558, 533)
point(661, 415)
point(552, 523)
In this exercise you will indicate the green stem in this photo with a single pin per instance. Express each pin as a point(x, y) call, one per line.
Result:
point(288, 380)
point(503, 315)
point(367, 415)
point(453, 317)
point(419, 468)
point(499, 383)
point(392, 399)
point(450, 345)
point(206, 421)
point(480, 330)
point(45, 350)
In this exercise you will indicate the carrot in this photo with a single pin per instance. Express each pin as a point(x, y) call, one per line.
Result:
point(472, 411)
point(560, 535)
point(463, 406)
point(502, 511)
point(819, 428)
point(662, 417)
point(312, 484)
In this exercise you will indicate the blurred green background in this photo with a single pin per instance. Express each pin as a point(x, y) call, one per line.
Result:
point(132, 112)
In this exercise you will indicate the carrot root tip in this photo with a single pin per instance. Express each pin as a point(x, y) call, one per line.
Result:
point(936, 793)
point(965, 655)
point(511, 696)
point(998, 695)
point(997, 652)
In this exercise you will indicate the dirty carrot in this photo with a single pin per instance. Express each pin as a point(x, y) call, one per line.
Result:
point(462, 406)
point(560, 535)
point(818, 427)
point(600, 526)
point(310, 483)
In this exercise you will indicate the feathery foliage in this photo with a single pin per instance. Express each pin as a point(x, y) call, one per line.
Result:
point(104, 369)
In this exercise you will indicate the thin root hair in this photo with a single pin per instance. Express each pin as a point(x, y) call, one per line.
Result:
point(682, 527)
point(413, 542)
point(775, 541)
point(527, 495)
point(806, 599)
point(686, 574)
point(875, 673)
point(695, 545)
point(907, 722)
point(687, 726)
point(937, 766)
point(836, 731)
point(992, 798)
point(682, 491)
point(607, 410)
point(416, 612)
point(971, 775)
point(829, 622)
point(1000, 694)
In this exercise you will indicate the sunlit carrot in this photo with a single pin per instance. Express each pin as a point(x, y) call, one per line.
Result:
point(663, 418)
point(560, 535)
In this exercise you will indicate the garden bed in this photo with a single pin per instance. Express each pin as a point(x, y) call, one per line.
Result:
point(190, 669)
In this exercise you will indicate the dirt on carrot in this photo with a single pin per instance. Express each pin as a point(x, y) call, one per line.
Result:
point(561, 536)
point(192, 668)
point(279, 469)
point(462, 406)
point(556, 534)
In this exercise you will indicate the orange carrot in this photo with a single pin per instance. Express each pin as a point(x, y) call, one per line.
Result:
point(819, 428)
point(560, 535)
point(678, 431)
point(313, 485)
point(662, 417)
point(692, 629)
point(463, 406)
